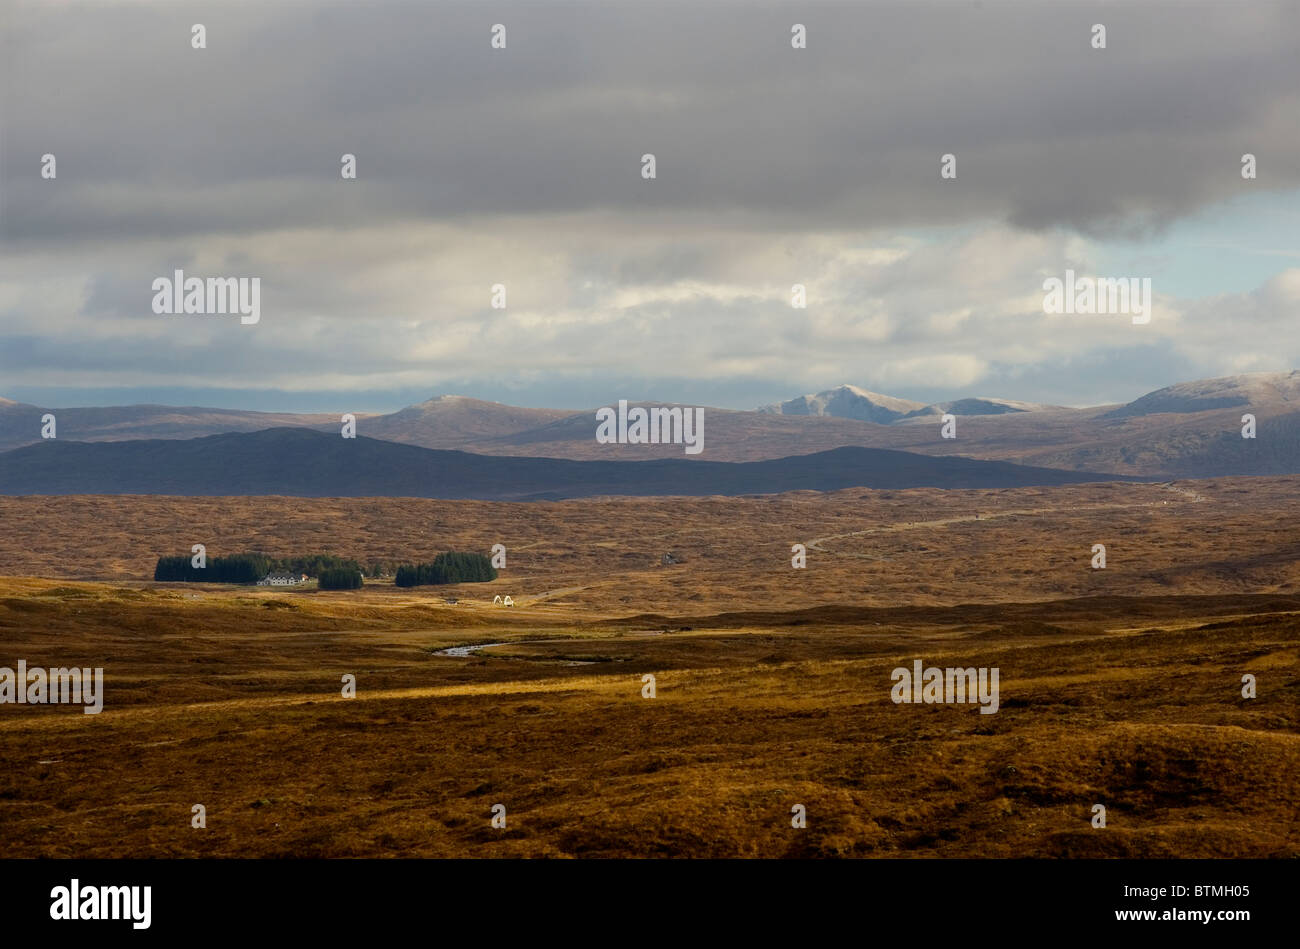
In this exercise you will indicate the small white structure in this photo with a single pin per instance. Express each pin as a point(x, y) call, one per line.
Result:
point(496, 599)
point(508, 601)
point(282, 579)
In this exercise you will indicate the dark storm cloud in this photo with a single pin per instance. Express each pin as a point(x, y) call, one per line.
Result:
point(155, 139)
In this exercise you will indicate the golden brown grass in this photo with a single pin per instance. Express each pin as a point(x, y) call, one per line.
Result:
point(1119, 687)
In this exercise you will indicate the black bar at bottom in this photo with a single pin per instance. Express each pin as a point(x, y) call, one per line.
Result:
point(942, 899)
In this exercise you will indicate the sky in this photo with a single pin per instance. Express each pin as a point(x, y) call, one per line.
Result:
point(522, 166)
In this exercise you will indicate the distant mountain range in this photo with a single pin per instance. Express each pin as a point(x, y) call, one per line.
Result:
point(298, 462)
point(1188, 430)
point(850, 402)
point(443, 422)
point(1232, 392)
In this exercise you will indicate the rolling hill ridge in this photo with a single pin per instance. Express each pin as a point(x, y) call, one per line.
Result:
point(297, 462)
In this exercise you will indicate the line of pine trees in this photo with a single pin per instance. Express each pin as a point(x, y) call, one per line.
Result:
point(451, 567)
point(340, 578)
point(332, 572)
point(314, 564)
point(236, 568)
point(248, 568)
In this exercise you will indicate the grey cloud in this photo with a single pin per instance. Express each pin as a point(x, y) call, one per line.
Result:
point(523, 166)
point(155, 139)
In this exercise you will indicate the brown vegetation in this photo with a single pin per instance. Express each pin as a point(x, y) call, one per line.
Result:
point(1120, 687)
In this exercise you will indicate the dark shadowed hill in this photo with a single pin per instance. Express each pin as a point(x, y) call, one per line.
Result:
point(299, 462)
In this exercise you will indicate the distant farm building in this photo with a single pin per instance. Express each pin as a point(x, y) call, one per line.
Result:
point(671, 558)
point(282, 579)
